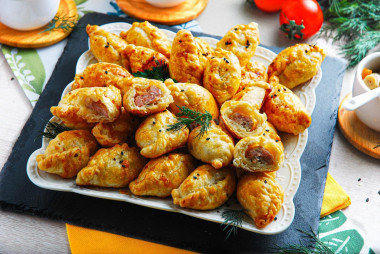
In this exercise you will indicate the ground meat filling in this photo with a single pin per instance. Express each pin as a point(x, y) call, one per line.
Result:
point(243, 120)
point(259, 155)
point(149, 97)
point(98, 107)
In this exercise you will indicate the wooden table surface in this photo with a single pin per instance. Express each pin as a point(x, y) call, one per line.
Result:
point(21, 233)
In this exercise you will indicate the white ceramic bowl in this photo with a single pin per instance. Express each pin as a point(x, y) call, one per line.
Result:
point(369, 113)
point(27, 14)
point(165, 3)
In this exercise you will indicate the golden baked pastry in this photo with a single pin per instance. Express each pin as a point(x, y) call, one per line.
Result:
point(106, 46)
point(254, 93)
point(147, 35)
point(261, 196)
point(205, 188)
point(252, 72)
point(259, 153)
point(192, 96)
point(114, 167)
point(153, 137)
point(67, 153)
point(222, 75)
point(215, 146)
point(242, 119)
point(119, 131)
point(146, 96)
point(188, 58)
point(285, 110)
point(161, 175)
point(103, 74)
point(83, 106)
point(296, 65)
point(242, 40)
point(142, 58)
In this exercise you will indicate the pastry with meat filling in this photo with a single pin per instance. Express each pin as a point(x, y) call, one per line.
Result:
point(254, 93)
point(82, 107)
point(242, 40)
point(146, 96)
point(242, 119)
point(285, 110)
point(188, 57)
point(252, 72)
point(192, 96)
point(261, 196)
point(264, 152)
point(205, 188)
point(101, 75)
point(113, 167)
point(222, 75)
point(154, 138)
point(106, 46)
point(142, 59)
point(215, 146)
point(296, 65)
point(147, 35)
point(161, 175)
point(119, 131)
point(67, 153)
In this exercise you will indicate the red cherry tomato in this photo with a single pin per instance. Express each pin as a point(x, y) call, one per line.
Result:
point(295, 13)
point(269, 5)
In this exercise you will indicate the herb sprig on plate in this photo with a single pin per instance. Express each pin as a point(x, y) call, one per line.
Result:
point(53, 129)
point(159, 72)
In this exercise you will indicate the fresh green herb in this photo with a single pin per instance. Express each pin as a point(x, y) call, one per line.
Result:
point(61, 22)
point(232, 220)
point(53, 129)
point(159, 72)
point(203, 119)
point(317, 246)
point(354, 23)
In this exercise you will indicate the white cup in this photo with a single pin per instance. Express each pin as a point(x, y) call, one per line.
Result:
point(369, 113)
point(27, 14)
point(165, 3)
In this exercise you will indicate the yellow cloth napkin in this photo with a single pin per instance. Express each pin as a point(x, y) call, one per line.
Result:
point(84, 240)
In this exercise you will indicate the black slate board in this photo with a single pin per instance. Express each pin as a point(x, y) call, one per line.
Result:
point(19, 194)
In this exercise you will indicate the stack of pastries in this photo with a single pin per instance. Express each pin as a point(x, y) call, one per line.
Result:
point(120, 135)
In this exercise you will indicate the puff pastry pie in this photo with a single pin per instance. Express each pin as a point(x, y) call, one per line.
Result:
point(261, 196)
point(106, 46)
point(242, 40)
point(296, 65)
point(285, 110)
point(147, 35)
point(153, 137)
point(215, 146)
point(252, 72)
point(192, 96)
point(67, 153)
point(103, 74)
point(222, 75)
point(188, 58)
point(142, 58)
point(146, 96)
point(83, 106)
point(161, 175)
point(254, 94)
point(114, 167)
point(205, 188)
point(259, 153)
point(242, 119)
point(117, 132)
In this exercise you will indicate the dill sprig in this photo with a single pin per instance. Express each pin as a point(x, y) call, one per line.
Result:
point(232, 220)
point(356, 24)
point(317, 246)
point(53, 129)
point(159, 72)
point(191, 116)
point(61, 22)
